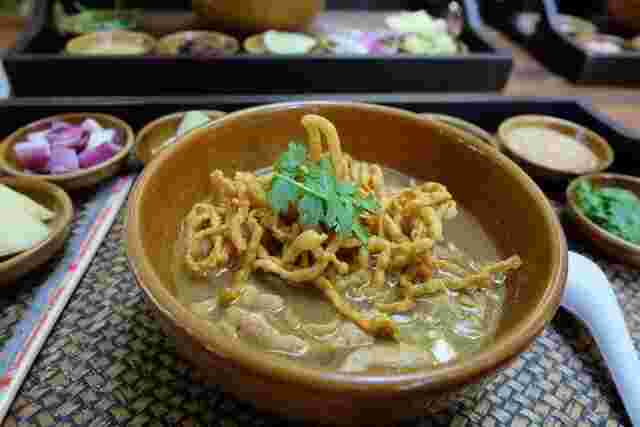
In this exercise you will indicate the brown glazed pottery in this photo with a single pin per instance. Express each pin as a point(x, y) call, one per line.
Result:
point(509, 205)
point(157, 132)
point(170, 44)
point(255, 16)
point(105, 39)
point(609, 243)
point(598, 145)
point(465, 126)
point(53, 198)
point(74, 180)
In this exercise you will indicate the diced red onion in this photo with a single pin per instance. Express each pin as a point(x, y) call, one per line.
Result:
point(34, 154)
point(90, 125)
point(34, 136)
point(73, 137)
point(63, 160)
point(100, 137)
point(92, 156)
point(58, 124)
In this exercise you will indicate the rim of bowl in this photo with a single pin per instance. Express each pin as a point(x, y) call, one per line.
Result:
point(538, 119)
point(120, 155)
point(498, 353)
point(142, 133)
point(464, 125)
point(609, 237)
point(38, 185)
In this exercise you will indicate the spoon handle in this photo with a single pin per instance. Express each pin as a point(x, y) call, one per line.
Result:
point(589, 296)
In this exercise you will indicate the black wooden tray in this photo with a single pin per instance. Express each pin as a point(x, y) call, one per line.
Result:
point(558, 52)
point(39, 69)
point(486, 111)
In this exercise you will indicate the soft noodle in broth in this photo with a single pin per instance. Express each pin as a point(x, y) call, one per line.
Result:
point(391, 295)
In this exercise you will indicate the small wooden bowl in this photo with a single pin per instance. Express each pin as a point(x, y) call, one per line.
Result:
point(609, 243)
point(584, 38)
point(598, 146)
point(81, 178)
point(155, 133)
point(169, 45)
point(99, 42)
point(465, 126)
point(54, 198)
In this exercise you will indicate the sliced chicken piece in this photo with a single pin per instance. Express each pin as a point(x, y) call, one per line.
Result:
point(385, 356)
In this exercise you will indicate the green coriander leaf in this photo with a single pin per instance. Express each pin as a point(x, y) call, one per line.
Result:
point(292, 158)
point(312, 209)
point(361, 232)
point(369, 203)
point(333, 204)
point(282, 193)
point(345, 189)
point(345, 217)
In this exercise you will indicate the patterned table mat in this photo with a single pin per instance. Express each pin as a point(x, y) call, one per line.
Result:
point(107, 363)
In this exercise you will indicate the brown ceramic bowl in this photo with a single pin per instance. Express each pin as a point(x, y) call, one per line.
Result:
point(598, 146)
point(522, 222)
point(104, 43)
point(155, 133)
point(169, 45)
point(53, 198)
point(609, 243)
point(82, 178)
point(255, 16)
point(464, 126)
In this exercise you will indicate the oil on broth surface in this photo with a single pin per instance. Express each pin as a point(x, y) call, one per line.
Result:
point(444, 327)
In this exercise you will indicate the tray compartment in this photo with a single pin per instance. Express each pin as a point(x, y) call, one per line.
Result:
point(484, 69)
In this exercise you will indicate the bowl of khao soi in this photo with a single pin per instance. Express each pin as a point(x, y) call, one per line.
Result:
point(606, 209)
point(344, 257)
point(554, 149)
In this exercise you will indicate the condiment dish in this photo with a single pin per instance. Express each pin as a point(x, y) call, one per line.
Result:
point(53, 198)
point(72, 180)
point(612, 245)
point(221, 43)
point(546, 165)
point(154, 134)
point(115, 43)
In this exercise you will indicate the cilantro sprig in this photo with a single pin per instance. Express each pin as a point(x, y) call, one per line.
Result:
point(312, 187)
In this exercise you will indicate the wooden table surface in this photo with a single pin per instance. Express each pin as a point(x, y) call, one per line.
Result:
point(530, 78)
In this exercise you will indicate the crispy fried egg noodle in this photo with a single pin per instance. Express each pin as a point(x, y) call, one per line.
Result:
point(237, 229)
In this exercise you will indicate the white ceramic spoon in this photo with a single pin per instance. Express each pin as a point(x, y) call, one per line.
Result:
point(589, 296)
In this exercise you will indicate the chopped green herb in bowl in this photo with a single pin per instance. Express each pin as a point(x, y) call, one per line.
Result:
point(613, 208)
point(605, 209)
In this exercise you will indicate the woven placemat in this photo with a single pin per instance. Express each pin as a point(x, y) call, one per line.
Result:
point(107, 363)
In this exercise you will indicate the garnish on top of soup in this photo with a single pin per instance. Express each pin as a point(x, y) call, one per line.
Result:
point(615, 209)
point(338, 262)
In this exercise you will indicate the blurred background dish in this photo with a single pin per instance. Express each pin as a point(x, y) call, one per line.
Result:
point(198, 43)
point(118, 42)
point(255, 16)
